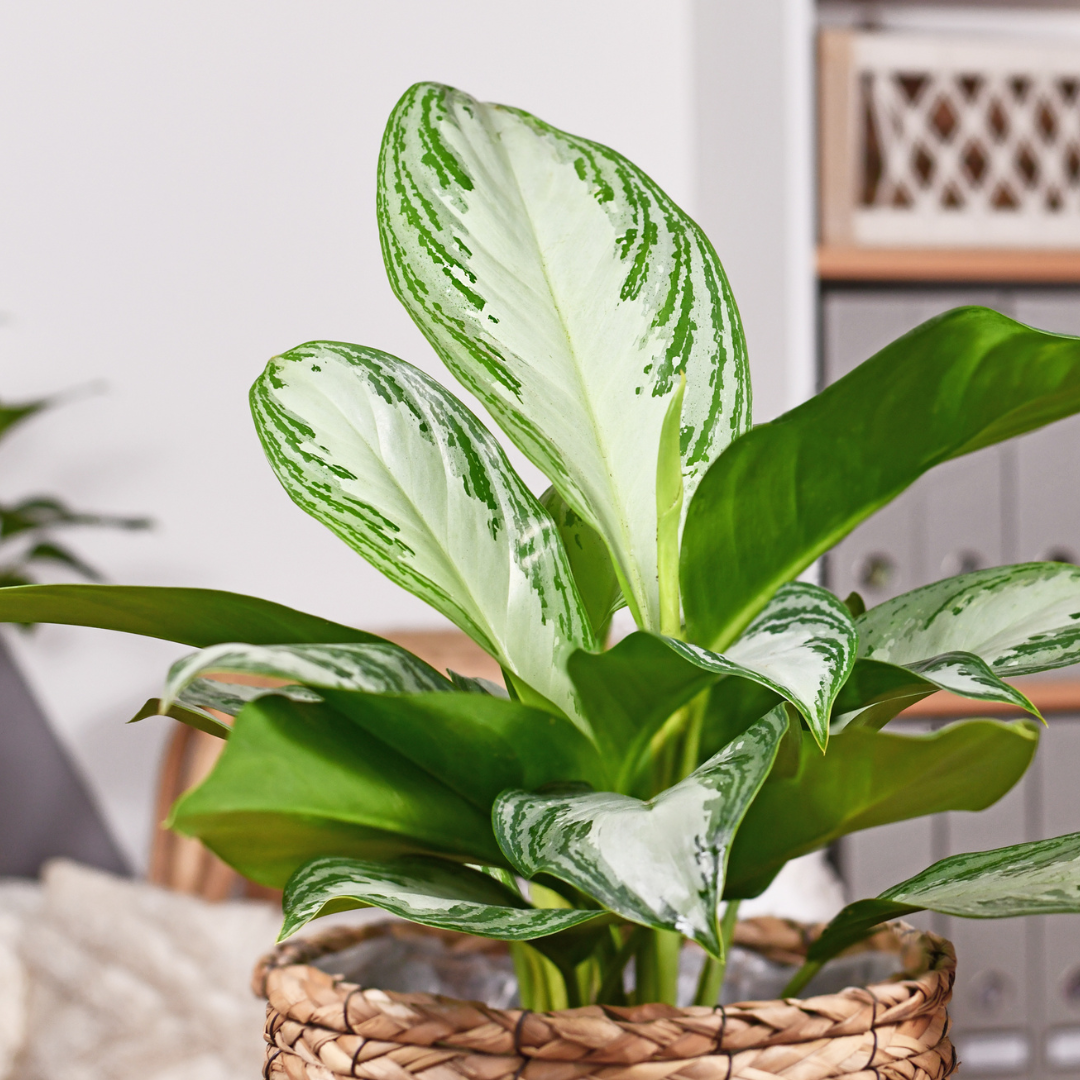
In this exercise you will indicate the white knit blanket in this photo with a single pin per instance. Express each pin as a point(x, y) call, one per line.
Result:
point(102, 978)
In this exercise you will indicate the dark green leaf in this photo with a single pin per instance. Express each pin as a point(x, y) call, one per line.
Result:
point(477, 745)
point(10, 415)
point(854, 924)
point(787, 491)
point(55, 553)
point(196, 617)
point(41, 512)
point(296, 781)
point(872, 778)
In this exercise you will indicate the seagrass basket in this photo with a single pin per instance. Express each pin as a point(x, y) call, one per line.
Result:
point(320, 1027)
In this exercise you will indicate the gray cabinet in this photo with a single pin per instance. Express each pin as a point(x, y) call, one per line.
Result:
point(1016, 1007)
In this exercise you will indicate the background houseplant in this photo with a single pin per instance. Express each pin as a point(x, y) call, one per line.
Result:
point(740, 726)
point(29, 525)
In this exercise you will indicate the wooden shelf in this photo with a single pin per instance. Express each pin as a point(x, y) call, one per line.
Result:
point(1007, 267)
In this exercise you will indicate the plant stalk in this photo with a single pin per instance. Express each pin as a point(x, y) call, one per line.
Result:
point(657, 967)
point(712, 973)
point(801, 978)
point(542, 987)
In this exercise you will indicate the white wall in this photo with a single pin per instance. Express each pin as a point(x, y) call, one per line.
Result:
point(186, 188)
point(754, 124)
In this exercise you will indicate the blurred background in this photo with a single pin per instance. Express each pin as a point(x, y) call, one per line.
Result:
point(187, 188)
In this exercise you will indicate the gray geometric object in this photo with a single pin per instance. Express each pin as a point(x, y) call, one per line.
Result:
point(45, 808)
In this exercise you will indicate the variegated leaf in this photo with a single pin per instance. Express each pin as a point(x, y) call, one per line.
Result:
point(1018, 619)
point(382, 668)
point(405, 474)
point(567, 292)
point(1040, 878)
point(661, 862)
point(433, 892)
point(229, 698)
point(802, 647)
point(877, 691)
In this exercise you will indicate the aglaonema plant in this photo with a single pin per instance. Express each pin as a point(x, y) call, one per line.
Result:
point(608, 804)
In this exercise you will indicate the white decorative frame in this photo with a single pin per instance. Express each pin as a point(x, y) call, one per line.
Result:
point(945, 142)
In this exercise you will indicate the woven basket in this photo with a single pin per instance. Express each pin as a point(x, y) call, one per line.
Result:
point(319, 1027)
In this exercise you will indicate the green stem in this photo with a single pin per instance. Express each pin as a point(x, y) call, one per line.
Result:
point(710, 982)
point(611, 990)
point(801, 978)
point(691, 744)
point(542, 987)
point(712, 973)
point(657, 968)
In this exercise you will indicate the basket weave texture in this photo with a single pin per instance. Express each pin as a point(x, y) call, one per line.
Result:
point(319, 1027)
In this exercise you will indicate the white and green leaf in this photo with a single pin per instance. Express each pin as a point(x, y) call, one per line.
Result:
point(567, 292)
point(660, 863)
point(1018, 619)
point(406, 475)
point(878, 691)
point(378, 668)
point(1039, 878)
point(802, 647)
point(430, 891)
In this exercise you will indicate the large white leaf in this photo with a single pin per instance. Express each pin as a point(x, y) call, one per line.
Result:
point(661, 862)
point(566, 291)
point(1018, 619)
point(405, 474)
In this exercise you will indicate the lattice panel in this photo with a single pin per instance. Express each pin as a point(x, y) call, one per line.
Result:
point(954, 143)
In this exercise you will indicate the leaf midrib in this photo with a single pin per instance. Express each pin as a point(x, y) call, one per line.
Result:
point(632, 569)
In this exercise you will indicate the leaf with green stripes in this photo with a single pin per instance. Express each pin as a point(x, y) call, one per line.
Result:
point(1018, 619)
point(877, 691)
point(567, 292)
point(802, 647)
point(433, 892)
point(1038, 878)
point(660, 863)
point(789, 490)
point(407, 476)
point(380, 667)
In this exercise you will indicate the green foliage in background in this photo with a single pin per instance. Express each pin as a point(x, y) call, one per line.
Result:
point(607, 803)
point(28, 527)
